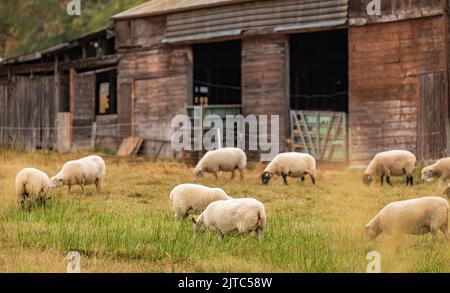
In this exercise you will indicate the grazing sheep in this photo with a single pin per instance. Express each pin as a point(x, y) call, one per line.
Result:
point(195, 198)
point(391, 163)
point(415, 216)
point(441, 168)
point(85, 171)
point(244, 215)
point(225, 159)
point(33, 185)
point(296, 165)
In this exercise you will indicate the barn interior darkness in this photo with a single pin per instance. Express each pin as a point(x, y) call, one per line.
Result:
point(217, 73)
point(319, 71)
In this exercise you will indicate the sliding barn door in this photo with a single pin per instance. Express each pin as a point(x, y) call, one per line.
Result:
point(431, 140)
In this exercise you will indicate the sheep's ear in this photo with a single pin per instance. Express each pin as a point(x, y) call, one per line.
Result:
point(194, 221)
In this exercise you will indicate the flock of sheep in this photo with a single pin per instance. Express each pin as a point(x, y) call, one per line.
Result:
point(220, 213)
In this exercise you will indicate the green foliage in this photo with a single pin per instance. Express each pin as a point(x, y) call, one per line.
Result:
point(26, 26)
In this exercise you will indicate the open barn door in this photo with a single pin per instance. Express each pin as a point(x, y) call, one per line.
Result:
point(432, 117)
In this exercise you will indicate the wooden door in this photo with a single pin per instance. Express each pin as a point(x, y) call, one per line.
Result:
point(432, 117)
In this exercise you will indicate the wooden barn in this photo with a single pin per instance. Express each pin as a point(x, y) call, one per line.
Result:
point(57, 98)
point(344, 83)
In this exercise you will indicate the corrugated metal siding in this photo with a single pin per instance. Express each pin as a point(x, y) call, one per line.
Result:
point(162, 7)
point(234, 19)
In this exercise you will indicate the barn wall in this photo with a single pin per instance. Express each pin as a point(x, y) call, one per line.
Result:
point(386, 62)
point(158, 79)
point(140, 33)
point(107, 132)
point(265, 78)
point(27, 117)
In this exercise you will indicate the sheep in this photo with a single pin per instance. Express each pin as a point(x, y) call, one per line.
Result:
point(441, 168)
point(31, 184)
point(391, 163)
point(296, 165)
point(85, 171)
point(195, 198)
point(244, 215)
point(225, 159)
point(415, 216)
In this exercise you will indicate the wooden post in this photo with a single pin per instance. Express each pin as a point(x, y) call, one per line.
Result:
point(72, 75)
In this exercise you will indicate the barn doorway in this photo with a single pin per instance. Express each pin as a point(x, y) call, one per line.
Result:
point(319, 71)
point(217, 73)
point(319, 94)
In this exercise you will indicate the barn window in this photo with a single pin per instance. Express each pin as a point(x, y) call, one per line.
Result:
point(217, 73)
point(319, 71)
point(106, 101)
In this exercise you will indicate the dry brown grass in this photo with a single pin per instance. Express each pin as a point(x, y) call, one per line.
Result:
point(129, 227)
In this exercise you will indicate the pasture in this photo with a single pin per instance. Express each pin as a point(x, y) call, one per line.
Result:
point(130, 227)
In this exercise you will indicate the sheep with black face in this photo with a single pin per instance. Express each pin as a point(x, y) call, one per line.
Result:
point(391, 163)
point(295, 165)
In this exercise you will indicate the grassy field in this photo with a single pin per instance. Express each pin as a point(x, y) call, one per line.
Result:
point(130, 227)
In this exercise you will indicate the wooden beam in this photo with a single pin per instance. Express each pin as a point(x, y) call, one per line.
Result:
point(89, 63)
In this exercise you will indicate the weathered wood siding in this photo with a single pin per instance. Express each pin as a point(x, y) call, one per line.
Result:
point(232, 20)
point(140, 33)
point(159, 81)
point(385, 63)
point(265, 79)
point(107, 132)
point(84, 110)
point(431, 132)
point(27, 117)
point(124, 109)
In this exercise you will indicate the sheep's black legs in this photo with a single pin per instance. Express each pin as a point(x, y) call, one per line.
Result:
point(409, 180)
point(388, 180)
point(382, 180)
point(302, 179)
point(285, 179)
point(313, 179)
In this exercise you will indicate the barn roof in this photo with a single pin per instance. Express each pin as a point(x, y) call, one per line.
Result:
point(161, 7)
point(38, 54)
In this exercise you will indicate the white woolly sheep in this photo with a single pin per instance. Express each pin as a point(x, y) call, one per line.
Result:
point(85, 171)
point(225, 159)
point(441, 168)
point(391, 163)
point(296, 165)
point(415, 216)
point(194, 198)
point(243, 215)
point(31, 184)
